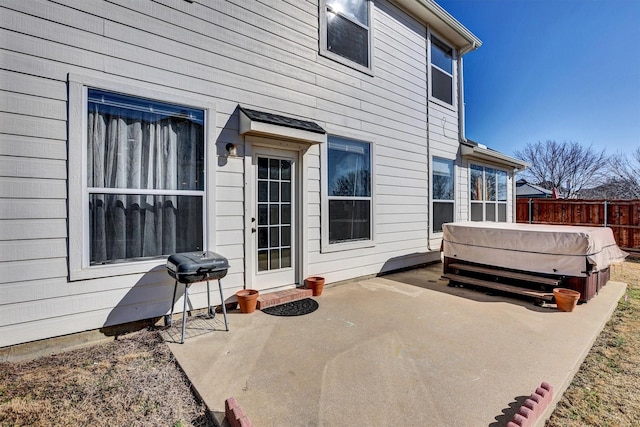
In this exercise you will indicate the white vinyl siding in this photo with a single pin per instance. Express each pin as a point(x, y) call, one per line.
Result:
point(443, 126)
point(212, 56)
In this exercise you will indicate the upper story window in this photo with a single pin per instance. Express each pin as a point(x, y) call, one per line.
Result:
point(349, 190)
point(145, 178)
point(488, 188)
point(441, 71)
point(346, 33)
point(442, 190)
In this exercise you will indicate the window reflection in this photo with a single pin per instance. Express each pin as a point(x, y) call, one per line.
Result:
point(442, 186)
point(488, 194)
point(349, 190)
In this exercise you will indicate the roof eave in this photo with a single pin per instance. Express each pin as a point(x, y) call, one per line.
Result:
point(492, 156)
point(431, 13)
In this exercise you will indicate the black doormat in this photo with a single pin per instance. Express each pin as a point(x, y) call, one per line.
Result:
point(293, 308)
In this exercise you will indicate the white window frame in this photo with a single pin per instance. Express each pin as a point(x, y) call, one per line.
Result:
point(453, 74)
point(325, 246)
point(434, 200)
point(324, 51)
point(484, 202)
point(79, 262)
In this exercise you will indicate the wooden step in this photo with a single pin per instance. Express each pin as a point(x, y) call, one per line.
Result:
point(504, 273)
point(280, 297)
point(547, 296)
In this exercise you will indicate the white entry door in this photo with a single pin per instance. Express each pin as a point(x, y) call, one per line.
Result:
point(273, 220)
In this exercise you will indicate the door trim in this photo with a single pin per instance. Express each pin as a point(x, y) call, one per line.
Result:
point(299, 261)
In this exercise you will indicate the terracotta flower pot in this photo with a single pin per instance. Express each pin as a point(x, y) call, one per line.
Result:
point(247, 300)
point(566, 299)
point(316, 284)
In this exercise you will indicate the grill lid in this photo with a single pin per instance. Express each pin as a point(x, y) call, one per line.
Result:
point(189, 267)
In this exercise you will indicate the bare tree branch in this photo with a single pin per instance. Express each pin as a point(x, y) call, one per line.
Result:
point(568, 166)
point(626, 169)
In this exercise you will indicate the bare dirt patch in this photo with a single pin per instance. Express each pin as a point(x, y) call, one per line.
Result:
point(131, 381)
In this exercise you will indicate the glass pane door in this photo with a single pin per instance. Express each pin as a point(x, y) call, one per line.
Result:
point(274, 214)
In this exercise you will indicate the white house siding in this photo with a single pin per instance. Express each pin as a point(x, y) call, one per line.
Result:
point(463, 196)
point(393, 113)
point(259, 54)
point(444, 137)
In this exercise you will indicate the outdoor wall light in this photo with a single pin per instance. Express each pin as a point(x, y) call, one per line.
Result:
point(232, 150)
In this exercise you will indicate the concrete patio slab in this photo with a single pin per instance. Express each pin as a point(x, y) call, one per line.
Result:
point(398, 350)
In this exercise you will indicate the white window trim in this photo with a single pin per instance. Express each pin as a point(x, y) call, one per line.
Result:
point(454, 75)
point(325, 246)
point(485, 202)
point(431, 198)
point(78, 239)
point(338, 58)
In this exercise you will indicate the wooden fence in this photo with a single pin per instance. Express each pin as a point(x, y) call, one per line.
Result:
point(622, 216)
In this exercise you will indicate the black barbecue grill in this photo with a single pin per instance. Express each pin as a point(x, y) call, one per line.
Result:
point(191, 267)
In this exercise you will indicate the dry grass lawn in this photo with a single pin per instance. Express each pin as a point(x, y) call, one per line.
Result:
point(135, 381)
point(606, 389)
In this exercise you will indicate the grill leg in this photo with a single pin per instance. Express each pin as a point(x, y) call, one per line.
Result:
point(224, 306)
point(211, 312)
point(184, 312)
point(169, 319)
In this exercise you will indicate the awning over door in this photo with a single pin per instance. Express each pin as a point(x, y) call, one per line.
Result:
point(261, 123)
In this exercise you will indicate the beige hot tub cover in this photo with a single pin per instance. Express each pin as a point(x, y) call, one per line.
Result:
point(551, 249)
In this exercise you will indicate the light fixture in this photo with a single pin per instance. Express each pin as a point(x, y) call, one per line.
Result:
point(232, 150)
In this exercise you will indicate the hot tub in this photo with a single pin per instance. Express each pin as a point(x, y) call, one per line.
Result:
point(581, 256)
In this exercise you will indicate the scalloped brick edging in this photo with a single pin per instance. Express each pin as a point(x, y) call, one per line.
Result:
point(533, 407)
point(234, 414)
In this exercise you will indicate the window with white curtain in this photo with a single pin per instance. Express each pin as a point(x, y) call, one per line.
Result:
point(145, 178)
point(349, 190)
point(442, 190)
point(488, 194)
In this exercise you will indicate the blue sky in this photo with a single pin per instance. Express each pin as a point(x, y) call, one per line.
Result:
point(566, 70)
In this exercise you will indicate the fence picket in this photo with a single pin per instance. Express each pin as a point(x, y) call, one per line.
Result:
point(622, 216)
